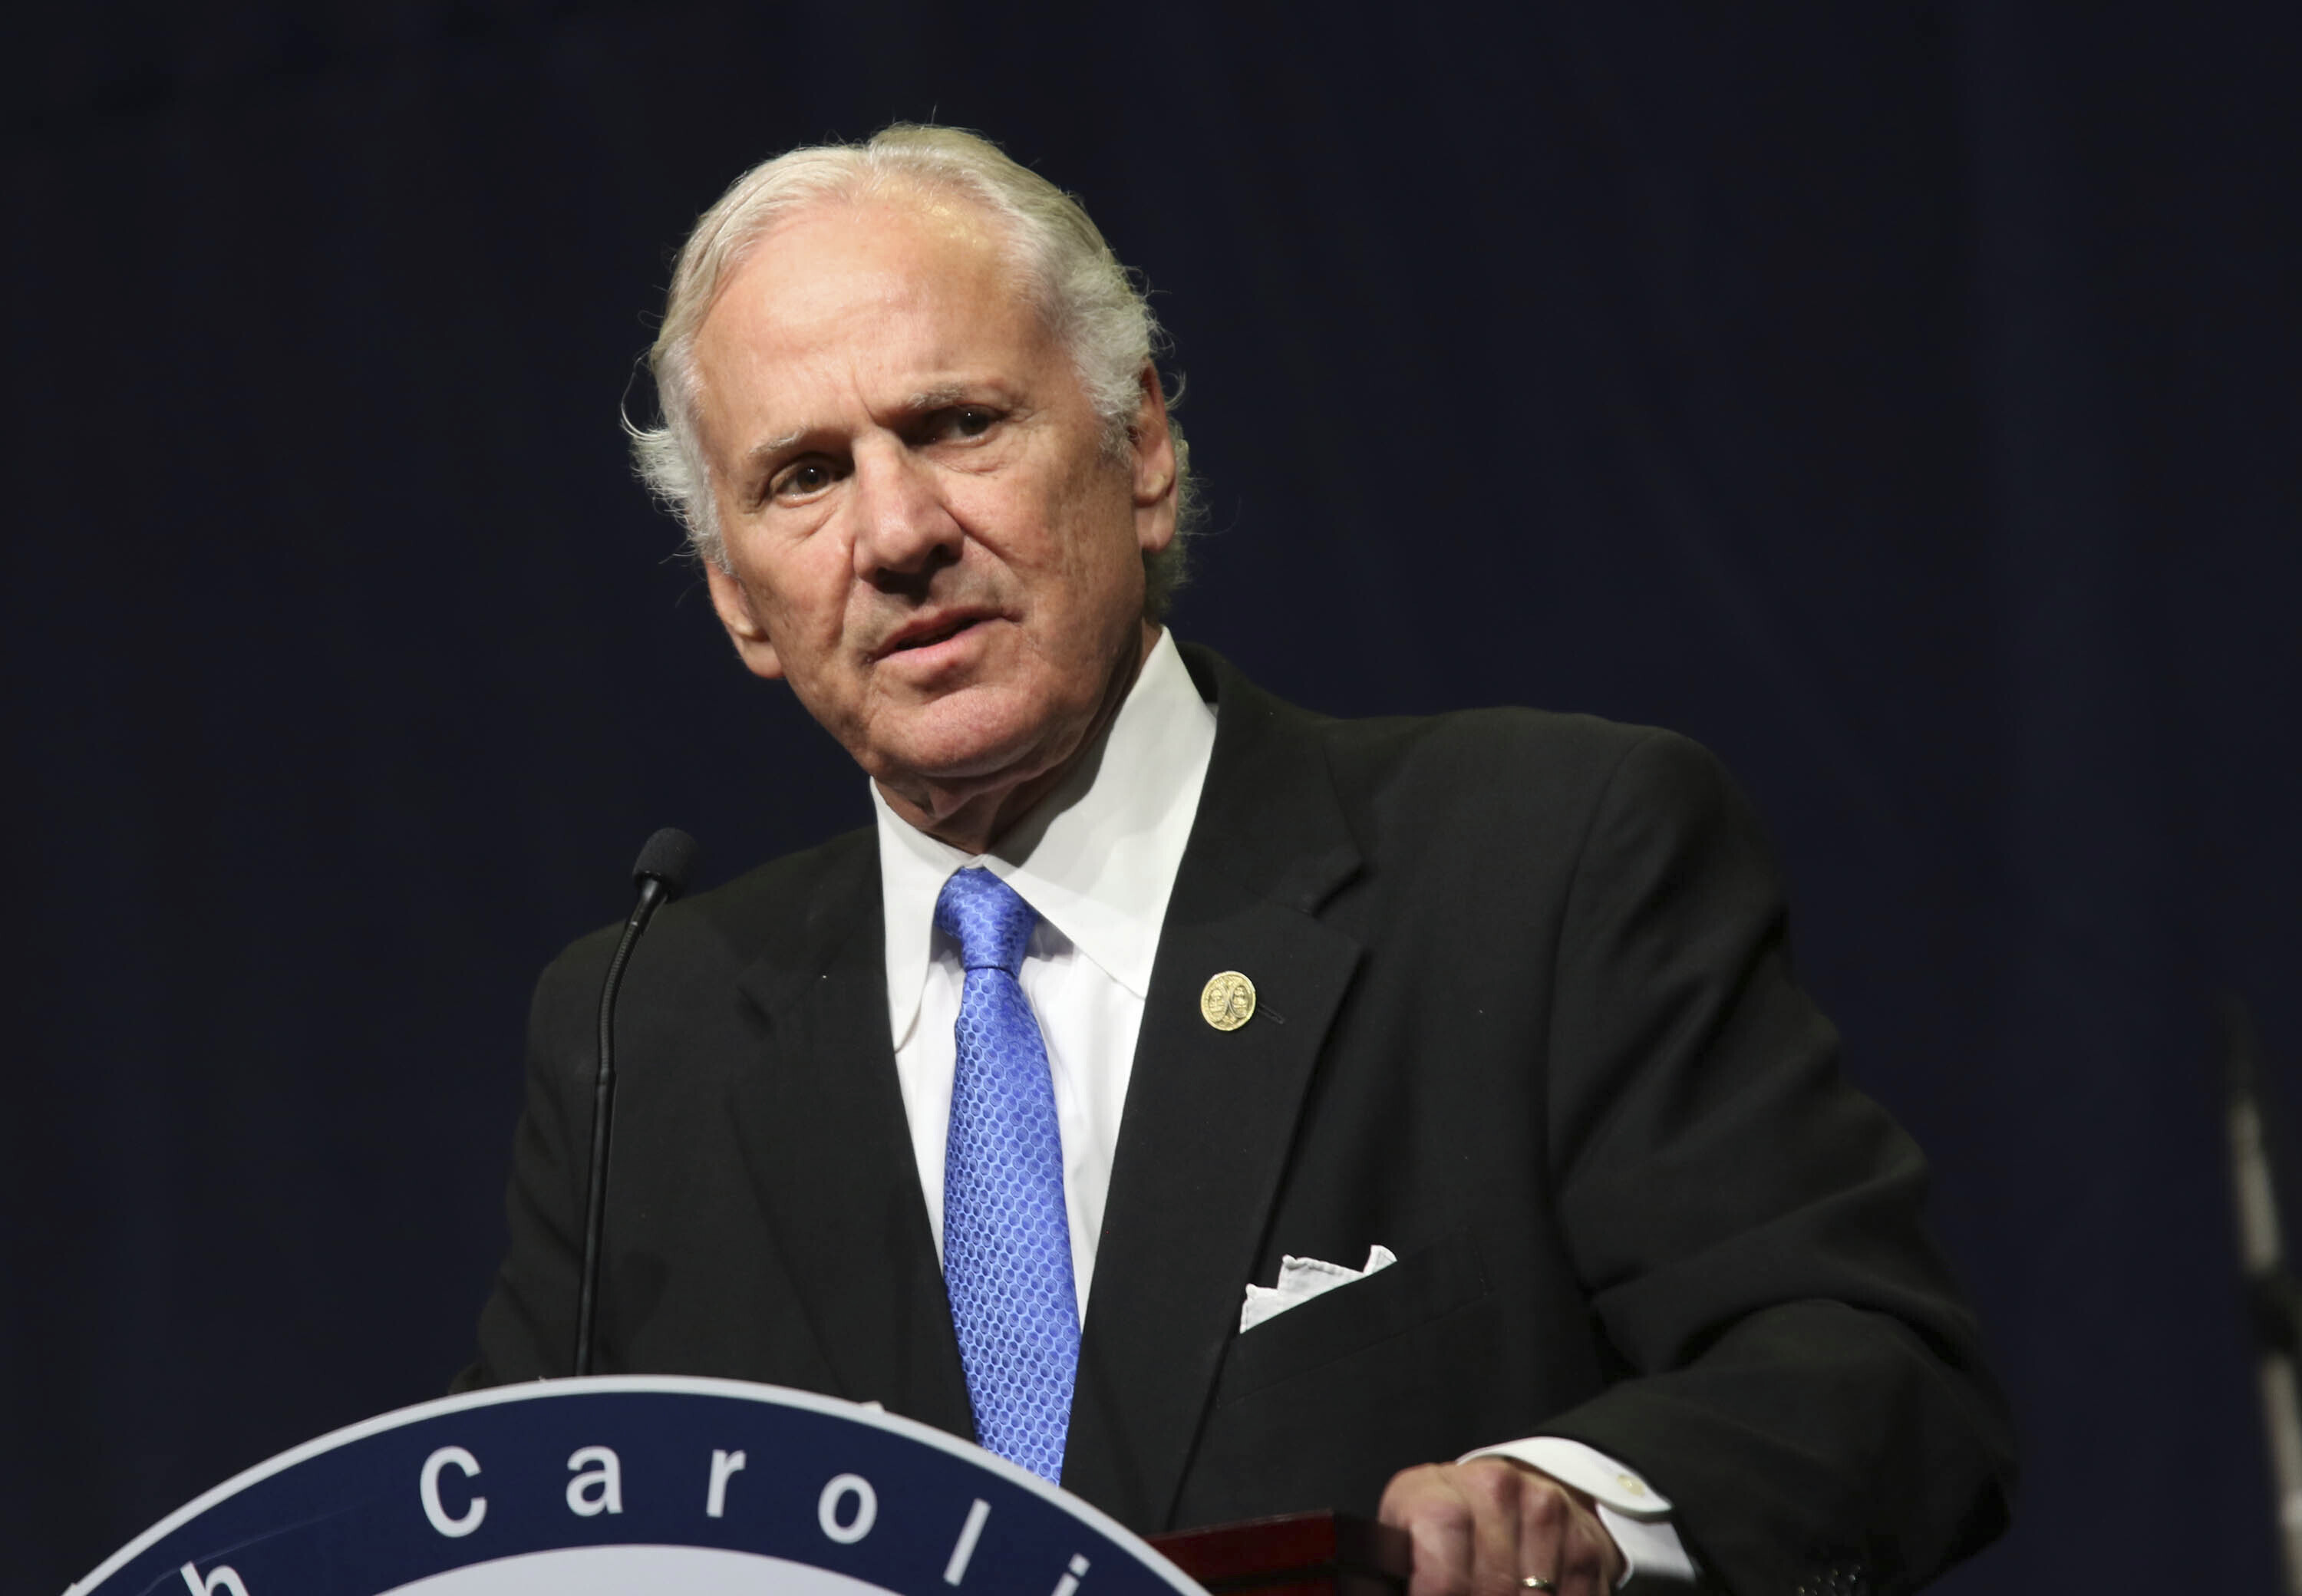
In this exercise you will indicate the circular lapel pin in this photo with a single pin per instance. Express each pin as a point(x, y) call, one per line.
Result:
point(1227, 1001)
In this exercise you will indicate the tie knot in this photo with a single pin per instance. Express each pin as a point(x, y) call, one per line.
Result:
point(989, 920)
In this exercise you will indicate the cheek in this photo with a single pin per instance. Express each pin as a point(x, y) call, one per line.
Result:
point(805, 584)
point(1109, 556)
point(1091, 528)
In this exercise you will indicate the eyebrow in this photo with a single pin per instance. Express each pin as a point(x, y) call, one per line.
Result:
point(920, 403)
point(767, 448)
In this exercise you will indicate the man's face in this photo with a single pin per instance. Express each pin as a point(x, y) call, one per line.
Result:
point(929, 538)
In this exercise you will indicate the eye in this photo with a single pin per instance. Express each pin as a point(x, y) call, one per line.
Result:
point(801, 479)
point(964, 421)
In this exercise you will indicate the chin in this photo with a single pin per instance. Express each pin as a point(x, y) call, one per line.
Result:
point(955, 741)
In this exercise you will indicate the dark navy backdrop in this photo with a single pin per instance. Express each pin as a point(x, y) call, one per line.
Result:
point(1899, 398)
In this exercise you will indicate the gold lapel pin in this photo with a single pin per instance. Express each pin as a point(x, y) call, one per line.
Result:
point(1227, 1001)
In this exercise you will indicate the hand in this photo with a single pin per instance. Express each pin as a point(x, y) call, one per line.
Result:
point(1480, 1528)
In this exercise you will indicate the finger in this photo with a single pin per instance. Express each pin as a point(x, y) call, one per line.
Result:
point(1493, 1489)
point(1588, 1559)
point(1442, 1552)
point(1425, 1503)
point(1545, 1517)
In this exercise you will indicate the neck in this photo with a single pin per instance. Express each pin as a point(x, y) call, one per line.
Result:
point(981, 818)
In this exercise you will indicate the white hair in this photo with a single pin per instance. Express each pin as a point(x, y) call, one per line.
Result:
point(1094, 307)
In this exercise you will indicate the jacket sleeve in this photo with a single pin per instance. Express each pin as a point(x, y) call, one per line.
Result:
point(1804, 1383)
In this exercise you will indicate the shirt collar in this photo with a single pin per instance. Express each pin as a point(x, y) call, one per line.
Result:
point(1097, 857)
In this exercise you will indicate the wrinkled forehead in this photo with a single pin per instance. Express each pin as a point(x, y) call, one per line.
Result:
point(849, 301)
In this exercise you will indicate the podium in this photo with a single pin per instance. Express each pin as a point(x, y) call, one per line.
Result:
point(606, 1486)
point(1302, 1554)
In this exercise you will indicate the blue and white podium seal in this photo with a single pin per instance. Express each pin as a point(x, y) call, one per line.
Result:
point(619, 1485)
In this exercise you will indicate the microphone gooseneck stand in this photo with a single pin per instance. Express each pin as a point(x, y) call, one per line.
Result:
point(2274, 1297)
point(660, 875)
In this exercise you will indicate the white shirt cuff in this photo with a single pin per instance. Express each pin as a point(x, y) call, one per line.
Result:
point(1634, 1512)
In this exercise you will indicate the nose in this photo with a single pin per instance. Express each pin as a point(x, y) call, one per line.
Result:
point(903, 532)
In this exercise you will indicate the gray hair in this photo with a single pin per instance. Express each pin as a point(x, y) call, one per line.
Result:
point(1093, 306)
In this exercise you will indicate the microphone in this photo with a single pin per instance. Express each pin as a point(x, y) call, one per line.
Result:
point(2273, 1297)
point(660, 875)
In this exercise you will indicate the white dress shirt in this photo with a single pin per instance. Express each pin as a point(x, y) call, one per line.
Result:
point(1098, 859)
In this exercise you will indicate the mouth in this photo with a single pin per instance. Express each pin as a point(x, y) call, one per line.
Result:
point(929, 630)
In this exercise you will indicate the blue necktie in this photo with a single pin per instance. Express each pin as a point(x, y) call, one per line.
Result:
point(1006, 1242)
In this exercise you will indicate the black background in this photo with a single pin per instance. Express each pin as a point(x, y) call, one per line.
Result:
point(1900, 399)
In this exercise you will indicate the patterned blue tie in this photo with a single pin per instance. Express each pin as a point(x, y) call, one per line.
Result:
point(1006, 1242)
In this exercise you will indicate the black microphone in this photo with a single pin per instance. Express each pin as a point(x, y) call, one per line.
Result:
point(2272, 1296)
point(660, 874)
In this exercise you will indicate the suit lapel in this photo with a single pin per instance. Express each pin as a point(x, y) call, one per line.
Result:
point(1210, 1114)
point(823, 1132)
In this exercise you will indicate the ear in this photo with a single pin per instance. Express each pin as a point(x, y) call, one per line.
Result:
point(741, 616)
point(1155, 467)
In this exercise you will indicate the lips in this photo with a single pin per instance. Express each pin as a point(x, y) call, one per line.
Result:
point(929, 630)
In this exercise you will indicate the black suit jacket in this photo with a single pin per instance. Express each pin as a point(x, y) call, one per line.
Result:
point(1526, 1016)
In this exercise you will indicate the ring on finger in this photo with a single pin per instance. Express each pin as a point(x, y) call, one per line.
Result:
point(1535, 1582)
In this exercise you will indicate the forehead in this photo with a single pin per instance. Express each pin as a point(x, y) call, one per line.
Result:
point(860, 294)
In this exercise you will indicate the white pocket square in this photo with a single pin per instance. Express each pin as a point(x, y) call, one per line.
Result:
point(1302, 1279)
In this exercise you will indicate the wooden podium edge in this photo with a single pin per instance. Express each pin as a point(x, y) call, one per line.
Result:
point(1294, 1554)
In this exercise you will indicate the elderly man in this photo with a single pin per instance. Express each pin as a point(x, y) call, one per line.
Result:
point(1219, 1108)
